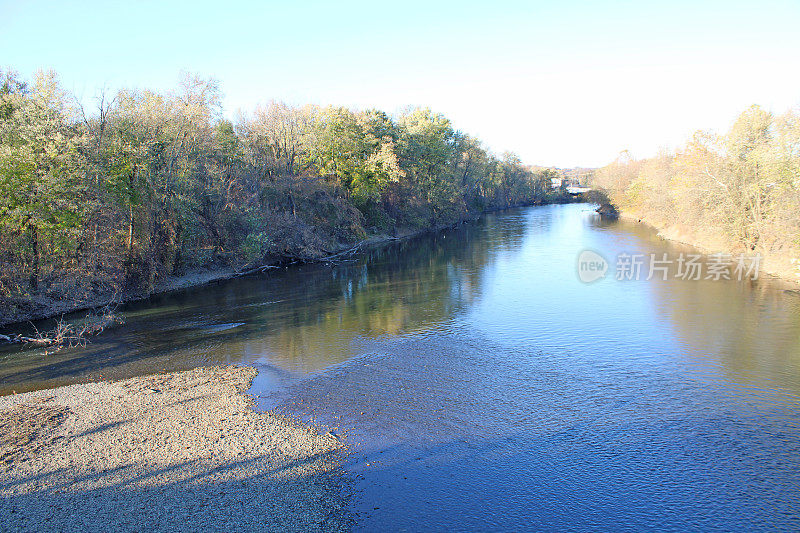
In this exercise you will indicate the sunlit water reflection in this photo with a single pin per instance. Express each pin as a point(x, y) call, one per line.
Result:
point(485, 387)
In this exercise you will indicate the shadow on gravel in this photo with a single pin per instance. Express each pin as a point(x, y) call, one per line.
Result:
point(244, 495)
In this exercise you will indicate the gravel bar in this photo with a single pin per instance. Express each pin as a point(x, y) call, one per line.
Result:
point(182, 451)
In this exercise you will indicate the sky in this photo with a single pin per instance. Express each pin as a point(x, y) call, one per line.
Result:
point(562, 84)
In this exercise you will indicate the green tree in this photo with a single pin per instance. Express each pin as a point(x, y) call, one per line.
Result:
point(39, 187)
point(426, 145)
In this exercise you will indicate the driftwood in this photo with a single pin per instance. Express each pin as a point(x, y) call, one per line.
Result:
point(341, 255)
point(262, 268)
point(67, 334)
point(338, 257)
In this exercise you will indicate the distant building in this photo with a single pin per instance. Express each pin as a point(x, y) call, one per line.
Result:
point(556, 182)
point(577, 189)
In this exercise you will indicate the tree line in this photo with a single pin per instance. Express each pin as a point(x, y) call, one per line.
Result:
point(147, 185)
point(737, 192)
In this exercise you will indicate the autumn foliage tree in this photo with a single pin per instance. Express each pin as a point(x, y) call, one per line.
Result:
point(737, 192)
point(150, 185)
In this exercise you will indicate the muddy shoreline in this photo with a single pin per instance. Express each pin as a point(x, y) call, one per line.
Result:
point(48, 308)
point(195, 278)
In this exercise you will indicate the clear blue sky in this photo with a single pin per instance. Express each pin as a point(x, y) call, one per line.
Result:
point(559, 83)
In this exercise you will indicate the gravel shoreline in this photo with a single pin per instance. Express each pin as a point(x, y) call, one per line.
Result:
point(180, 451)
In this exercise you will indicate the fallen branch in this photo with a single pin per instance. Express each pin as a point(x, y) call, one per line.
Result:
point(262, 268)
point(333, 258)
point(67, 334)
point(348, 252)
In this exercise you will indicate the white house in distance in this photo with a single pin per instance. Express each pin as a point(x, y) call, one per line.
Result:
point(570, 180)
point(572, 186)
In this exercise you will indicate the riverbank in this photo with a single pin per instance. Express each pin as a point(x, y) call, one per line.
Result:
point(168, 451)
point(773, 264)
point(42, 307)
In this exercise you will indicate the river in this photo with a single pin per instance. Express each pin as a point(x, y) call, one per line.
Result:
point(483, 386)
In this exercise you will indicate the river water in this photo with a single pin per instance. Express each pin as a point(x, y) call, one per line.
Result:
point(483, 386)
